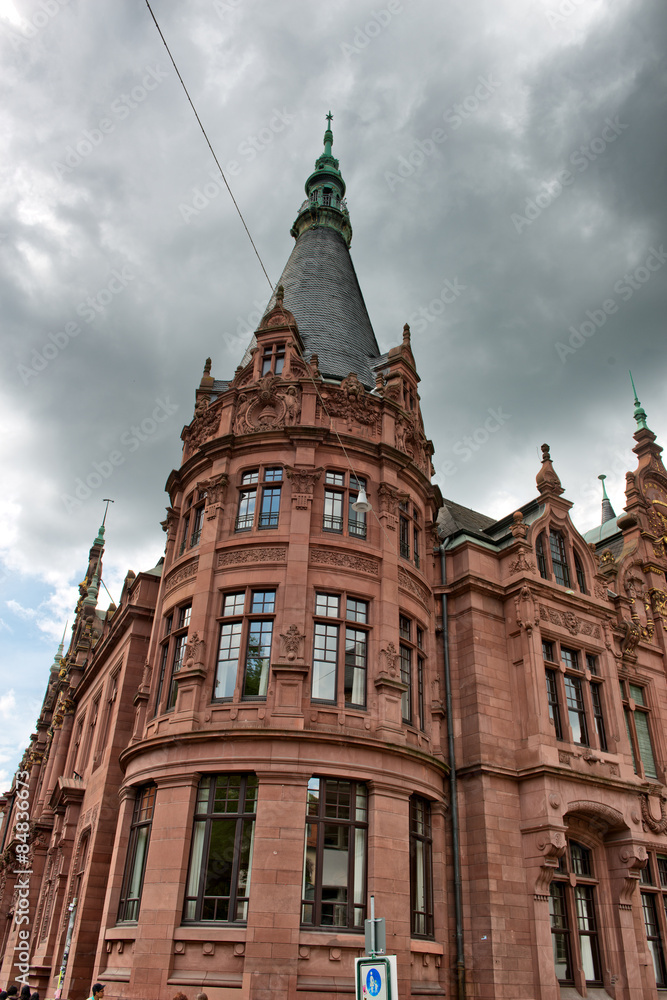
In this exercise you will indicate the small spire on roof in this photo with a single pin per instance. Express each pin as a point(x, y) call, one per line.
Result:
point(547, 479)
point(608, 513)
point(640, 412)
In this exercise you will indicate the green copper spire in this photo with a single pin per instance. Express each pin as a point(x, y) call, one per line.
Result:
point(325, 190)
point(640, 412)
point(607, 509)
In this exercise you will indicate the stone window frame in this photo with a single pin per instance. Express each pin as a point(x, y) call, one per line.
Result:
point(341, 489)
point(643, 746)
point(573, 911)
point(242, 615)
point(172, 652)
point(409, 531)
point(263, 483)
point(575, 687)
point(412, 666)
point(273, 358)
point(241, 789)
point(653, 893)
point(327, 625)
point(421, 868)
point(192, 520)
point(568, 569)
point(137, 853)
point(326, 820)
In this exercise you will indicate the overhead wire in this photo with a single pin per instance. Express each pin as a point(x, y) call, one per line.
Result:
point(261, 263)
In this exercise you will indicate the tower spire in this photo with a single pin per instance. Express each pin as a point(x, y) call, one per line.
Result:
point(608, 513)
point(640, 412)
point(325, 190)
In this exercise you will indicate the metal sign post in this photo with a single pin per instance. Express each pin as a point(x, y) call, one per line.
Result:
point(375, 977)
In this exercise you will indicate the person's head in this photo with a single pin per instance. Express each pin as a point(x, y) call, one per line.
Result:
point(98, 991)
point(34, 996)
point(201, 996)
point(180, 996)
point(12, 991)
point(25, 991)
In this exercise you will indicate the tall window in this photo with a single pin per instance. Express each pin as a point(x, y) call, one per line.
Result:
point(654, 909)
point(273, 359)
point(246, 632)
point(409, 532)
point(572, 908)
point(262, 484)
point(338, 615)
point(580, 690)
point(192, 521)
point(341, 490)
point(636, 710)
point(559, 559)
point(218, 883)
point(411, 667)
point(334, 867)
point(421, 867)
point(176, 643)
point(137, 849)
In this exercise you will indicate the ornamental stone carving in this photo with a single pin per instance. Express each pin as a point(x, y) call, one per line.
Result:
point(526, 612)
point(417, 589)
point(654, 825)
point(352, 404)
point(268, 405)
point(551, 845)
point(215, 489)
point(292, 641)
point(170, 523)
point(329, 557)
point(303, 482)
point(659, 604)
point(194, 651)
point(390, 654)
point(569, 621)
point(521, 564)
point(238, 556)
point(181, 575)
point(203, 427)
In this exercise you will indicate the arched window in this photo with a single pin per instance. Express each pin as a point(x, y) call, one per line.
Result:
point(579, 570)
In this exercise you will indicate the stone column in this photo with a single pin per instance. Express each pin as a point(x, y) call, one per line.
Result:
point(272, 943)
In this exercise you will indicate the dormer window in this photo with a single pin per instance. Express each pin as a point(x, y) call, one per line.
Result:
point(554, 560)
point(273, 359)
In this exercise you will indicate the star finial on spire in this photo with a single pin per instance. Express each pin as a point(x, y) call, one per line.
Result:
point(329, 118)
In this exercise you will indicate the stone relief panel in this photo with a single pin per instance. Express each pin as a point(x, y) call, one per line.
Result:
point(568, 620)
point(329, 557)
point(270, 404)
point(276, 553)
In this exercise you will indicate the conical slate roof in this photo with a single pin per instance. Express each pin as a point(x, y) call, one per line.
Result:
point(323, 293)
point(320, 283)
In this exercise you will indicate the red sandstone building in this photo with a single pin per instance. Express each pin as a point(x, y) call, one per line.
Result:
point(306, 703)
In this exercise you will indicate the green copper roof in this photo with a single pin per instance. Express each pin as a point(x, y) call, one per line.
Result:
point(325, 188)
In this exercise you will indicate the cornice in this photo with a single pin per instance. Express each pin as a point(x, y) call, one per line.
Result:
point(216, 736)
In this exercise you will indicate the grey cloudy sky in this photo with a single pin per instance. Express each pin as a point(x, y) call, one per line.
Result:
point(505, 163)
